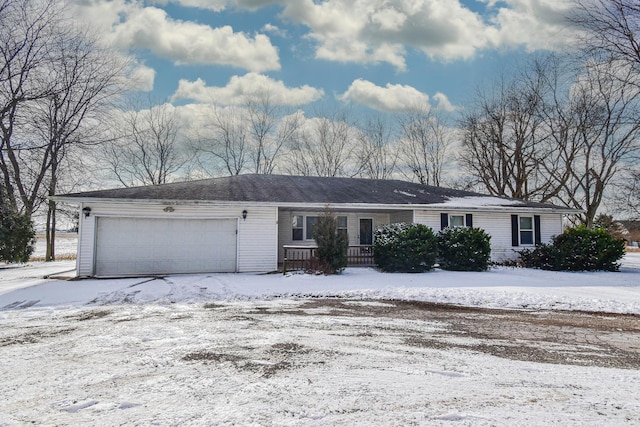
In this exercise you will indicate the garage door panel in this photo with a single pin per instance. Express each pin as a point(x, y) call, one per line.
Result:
point(137, 246)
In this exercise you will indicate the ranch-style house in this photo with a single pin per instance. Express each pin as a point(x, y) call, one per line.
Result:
point(252, 223)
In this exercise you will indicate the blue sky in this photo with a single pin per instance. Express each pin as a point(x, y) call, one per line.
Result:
point(378, 55)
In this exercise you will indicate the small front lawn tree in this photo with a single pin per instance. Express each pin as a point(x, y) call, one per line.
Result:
point(332, 244)
point(406, 248)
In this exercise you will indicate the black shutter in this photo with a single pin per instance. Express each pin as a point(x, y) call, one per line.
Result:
point(536, 229)
point(444, 221)
point(514, 231)
point(469, 220)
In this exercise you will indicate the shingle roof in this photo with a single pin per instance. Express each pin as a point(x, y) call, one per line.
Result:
point(302, 190)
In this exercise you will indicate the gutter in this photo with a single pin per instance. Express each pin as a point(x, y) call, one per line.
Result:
point(440, 207)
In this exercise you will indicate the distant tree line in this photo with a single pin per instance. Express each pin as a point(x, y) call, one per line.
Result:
point(562, 128)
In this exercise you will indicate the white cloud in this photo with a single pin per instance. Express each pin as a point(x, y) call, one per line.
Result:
point(190, 43)
point(274, 29)
point(443, 103)
point(142, 78)
point(215, 5)
point(381, 30)
point(376, 31)
point(128, 25)
point(389, 98)
point(534, 24)
point(240, 87)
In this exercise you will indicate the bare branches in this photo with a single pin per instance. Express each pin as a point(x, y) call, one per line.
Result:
point(146, 152)
point(377, 157)
point(224, 147)
point(247, 138)
point(324, 147)
point(610, 29)
point(424, 145)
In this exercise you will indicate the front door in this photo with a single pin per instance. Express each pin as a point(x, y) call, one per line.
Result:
point(366, 231)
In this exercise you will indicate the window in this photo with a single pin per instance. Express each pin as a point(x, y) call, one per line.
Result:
point(311, 224)
point(456, 220)
point(302, 227)
point(297, 227)
point(342, 225)
point(526, 230)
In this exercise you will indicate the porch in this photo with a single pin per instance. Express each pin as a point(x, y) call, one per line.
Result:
point(298, 258)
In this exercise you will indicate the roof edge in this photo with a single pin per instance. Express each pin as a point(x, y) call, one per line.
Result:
point(319, 206)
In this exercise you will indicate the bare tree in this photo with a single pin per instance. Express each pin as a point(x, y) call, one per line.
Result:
point(147, 152)
point(26, 29)
point(247, 138)
point(506, 143)
point(605, 131)
point(87, 78)
point(610, 32)
point(424, 145)
point(610, 29)
point(556, 133)
point(54, 78)
point(377, 157)
point(222, 146)
point(270, 127)
point(324, 147)
point(630, 194)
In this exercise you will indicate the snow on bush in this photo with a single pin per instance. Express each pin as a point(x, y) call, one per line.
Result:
point(407, 248)
point(577, 249)
point(464, 249)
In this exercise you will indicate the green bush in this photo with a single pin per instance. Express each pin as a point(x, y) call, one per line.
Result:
point(17, 236)
point(577, 249)
point(407, 248)
point(331, 255)
point(464, 249)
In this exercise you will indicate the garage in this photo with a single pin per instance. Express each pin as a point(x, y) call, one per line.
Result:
point(146, 246)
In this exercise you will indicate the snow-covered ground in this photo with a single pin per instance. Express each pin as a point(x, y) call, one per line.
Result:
point(501, 287)
point(243, 349)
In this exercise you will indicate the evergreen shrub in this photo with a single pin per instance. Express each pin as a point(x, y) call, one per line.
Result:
point(464, 249)
point(331, 255)
point(407, 248)
point(17, 235)
point(577, 249)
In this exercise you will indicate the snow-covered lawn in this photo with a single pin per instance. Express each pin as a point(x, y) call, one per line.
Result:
point(244, 349)
point(501, 287)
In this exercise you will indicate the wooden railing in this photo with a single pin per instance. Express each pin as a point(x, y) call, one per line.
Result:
point(299, 257)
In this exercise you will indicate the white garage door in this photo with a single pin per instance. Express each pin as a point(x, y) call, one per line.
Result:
point(139, 246)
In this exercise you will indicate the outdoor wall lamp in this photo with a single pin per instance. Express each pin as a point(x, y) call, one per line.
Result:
point(244, 214)
point(86, 211)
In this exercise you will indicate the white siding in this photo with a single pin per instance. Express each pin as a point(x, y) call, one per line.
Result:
point(428, 218)
point(498, 226)
point(401, 216)
point(86, 245)
point(256, 235)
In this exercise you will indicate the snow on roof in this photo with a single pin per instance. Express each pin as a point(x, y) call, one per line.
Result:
point(480, 201)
